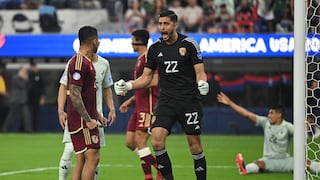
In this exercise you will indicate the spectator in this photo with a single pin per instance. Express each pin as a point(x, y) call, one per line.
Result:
point(178, 9)
point(151, 20)
point(265, 12)
point(192, 16)
point(135, 16)
point(209, 24)
point(244, 17)
point(31, 4)
point(19, 101)
point(229, 5)
point(225, 20)
point(3, 94)
point(286, 24)
point(89, 4)
point(36, 96)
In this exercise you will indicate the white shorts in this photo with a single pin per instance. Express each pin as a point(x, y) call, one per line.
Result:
point(67, 137)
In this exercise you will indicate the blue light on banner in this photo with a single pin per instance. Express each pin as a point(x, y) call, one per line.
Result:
point(119, 45)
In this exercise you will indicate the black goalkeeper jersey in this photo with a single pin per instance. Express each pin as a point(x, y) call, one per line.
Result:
point(175, 63)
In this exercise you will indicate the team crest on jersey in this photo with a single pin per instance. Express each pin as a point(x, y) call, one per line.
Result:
point(76, 76)
point(182, 51)
point(95, 139)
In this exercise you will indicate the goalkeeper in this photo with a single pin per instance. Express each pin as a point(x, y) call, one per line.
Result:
point(182, 80)
point(277, 135)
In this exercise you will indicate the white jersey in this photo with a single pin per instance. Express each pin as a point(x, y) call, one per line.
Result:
point(103, 80)
point(276, 138)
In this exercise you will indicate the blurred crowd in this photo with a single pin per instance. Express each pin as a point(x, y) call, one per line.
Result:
point(195, 16)
point(21, 95)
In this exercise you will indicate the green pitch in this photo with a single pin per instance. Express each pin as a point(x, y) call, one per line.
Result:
point(36, 157)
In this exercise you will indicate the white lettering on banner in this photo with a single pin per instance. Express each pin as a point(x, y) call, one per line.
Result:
point(107, 45)
point(282, 44)
point(233, 45)
point(115, 45)
point(223, 45)
point(313, 44)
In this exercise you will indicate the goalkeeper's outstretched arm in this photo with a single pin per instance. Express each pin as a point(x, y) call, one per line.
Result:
point(224, 99)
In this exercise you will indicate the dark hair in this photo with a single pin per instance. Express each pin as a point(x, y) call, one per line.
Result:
point(141, 35)
point(87, 33)
point(278, 107)
point(170, 14)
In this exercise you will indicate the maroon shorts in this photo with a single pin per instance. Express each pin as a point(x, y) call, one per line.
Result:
point(85, 139)
point(139, 121)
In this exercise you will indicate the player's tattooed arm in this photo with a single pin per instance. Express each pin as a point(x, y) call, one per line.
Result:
point(77, 102)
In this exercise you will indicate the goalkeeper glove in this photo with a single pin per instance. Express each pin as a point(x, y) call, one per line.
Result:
point(121, 87)
point(203, 87)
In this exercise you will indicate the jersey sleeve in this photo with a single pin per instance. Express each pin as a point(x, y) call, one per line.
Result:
point(151, 62)
point(289, 127)
point(64, 76)
point(77, 71)
point(262, 121)
point(195, 51)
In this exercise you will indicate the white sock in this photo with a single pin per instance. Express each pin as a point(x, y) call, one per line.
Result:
point(252, 168)
point(314, 167)
point(136, 151)
point(97, 172)
point(65, 161)
point(144, 152)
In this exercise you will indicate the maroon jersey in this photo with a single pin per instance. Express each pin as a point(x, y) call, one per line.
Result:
point(81, 73)
point(145, 98)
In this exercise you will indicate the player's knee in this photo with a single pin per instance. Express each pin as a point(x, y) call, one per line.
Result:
point(195, 148)
point(130, 145)
point(157, 145)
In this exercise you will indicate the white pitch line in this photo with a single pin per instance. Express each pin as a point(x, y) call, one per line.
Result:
point(103, 165)
point(26, 171)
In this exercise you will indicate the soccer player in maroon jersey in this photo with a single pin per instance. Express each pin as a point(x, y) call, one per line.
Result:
point(145, 100)
point(82, 113)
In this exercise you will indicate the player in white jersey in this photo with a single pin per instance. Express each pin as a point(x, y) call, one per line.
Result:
point(277, 137)
point(104, 82)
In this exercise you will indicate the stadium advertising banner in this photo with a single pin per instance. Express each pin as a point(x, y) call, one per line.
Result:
point(119, 45)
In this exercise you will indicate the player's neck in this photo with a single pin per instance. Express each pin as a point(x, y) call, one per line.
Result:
point(173, 38)
point(86, 51)
point(94, 58)
point(142, 51)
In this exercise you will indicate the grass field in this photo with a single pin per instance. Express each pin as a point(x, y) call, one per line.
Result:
point(36, 157)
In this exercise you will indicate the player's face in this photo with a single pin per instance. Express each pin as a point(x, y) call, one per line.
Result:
point(274, 116)
point(135, 44)
point(96, 44)
point(166, 27)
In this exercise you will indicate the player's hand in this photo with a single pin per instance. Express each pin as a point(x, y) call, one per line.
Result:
point(121, 87)
point(92, 124)
point(111, 117)
point(125, 106)
point(203, 87)
point(62, 118)
point(222, 98)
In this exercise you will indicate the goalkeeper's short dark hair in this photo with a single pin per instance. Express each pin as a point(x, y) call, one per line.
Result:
point(170, 14)
point(141, 35)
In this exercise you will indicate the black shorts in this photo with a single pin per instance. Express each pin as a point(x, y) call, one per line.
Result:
point(188, 113)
